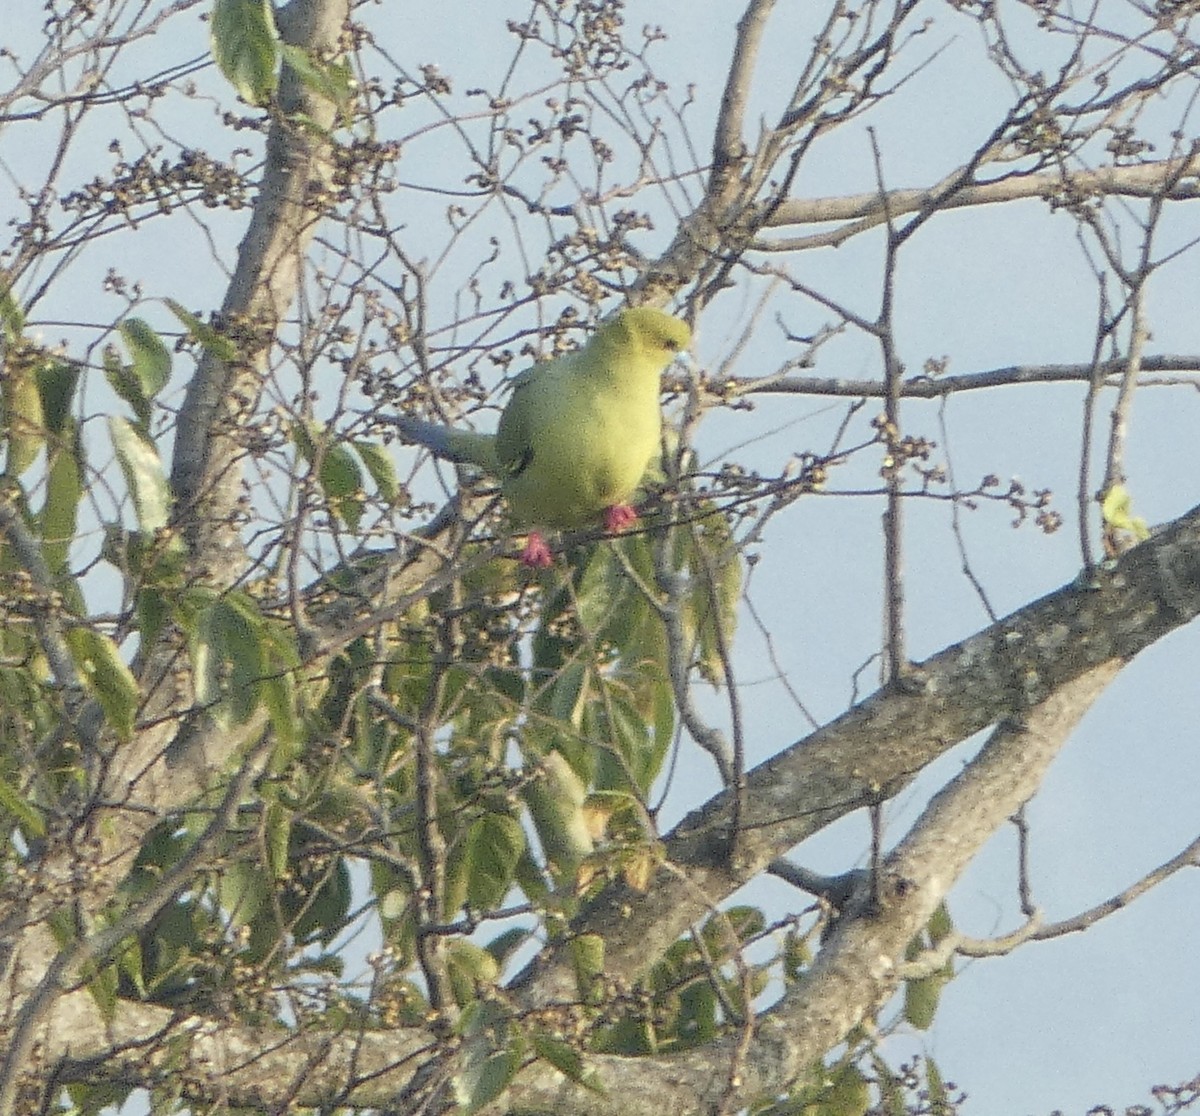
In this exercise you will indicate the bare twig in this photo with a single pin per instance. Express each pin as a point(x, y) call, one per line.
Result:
point(937, 387)
point(867, 211)
point(729, 145)
point(933, 959)
point(1187, 858)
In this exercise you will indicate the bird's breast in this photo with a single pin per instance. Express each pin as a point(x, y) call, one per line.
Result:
point(585, 459)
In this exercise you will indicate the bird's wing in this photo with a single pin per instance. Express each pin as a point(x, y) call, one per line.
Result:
point(532, 390)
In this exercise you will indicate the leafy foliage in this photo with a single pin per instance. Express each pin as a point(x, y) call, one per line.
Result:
point(258, 706)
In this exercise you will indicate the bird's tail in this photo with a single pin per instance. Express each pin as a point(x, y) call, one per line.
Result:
point(465, 447)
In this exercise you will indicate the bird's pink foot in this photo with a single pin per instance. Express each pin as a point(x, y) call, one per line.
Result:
point(536, 553)
point(618, 517)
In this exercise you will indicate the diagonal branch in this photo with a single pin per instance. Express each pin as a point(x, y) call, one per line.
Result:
point(857, 970)
point(206, 475)
point(729, 144)
point(1187, 858)
point(1000, 673)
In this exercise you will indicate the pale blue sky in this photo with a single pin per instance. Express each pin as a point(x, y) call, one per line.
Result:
point(1095, 1018)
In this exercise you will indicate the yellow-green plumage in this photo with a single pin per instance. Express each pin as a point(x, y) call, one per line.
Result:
point(579, 431)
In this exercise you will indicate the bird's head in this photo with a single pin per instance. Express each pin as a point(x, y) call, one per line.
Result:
point(651, 330)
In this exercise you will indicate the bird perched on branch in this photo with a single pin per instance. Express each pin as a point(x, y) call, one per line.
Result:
point(578, 431)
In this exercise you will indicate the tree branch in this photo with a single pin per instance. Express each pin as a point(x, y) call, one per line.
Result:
point(1165, 179)
point(729, 145)
point(938, 387)
point(1188, 858)
point(206, 474)
point(999, 673)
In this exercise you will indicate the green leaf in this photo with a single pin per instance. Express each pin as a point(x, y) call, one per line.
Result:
point(163, 848)
point(93, 1099)
point(245, 46)
point(342, 482)
point(153, 608)
point(331, 80)
point(469, 967)
point(938, 1100)
point(631, 737)
point(1117, 509)
point(237, 630)
point(102, 982)
point(151, 358)
point(21, 415)
point(921, 1001)
point(940, 925)
point(664, 712)
point(105, 676)
point(921, 995)
point(278, 694)
point(741, 922)
point(57, 380)
point(242, 891)
point(124, 382)
point(324, 914)
point(64, 488)
point(600, 591)
point(506, 944)
point(569, 694)
point(379, 465)
point(697, 1022)
point(196, 617)
point(339, 474)
point(627, 1036)
point(476, 1019)
point(27, 816)
point(848, 1094)
point(170, 951)
point(587, 960)
point(481, 1083)
point(277, 833)
point(485, 858)
point(532, 880)
point(710, 608)
point(210, 339)
point(143, 473)
point(12, 317)
point(130, 966)
point(567, 1060)
point(556, 805)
